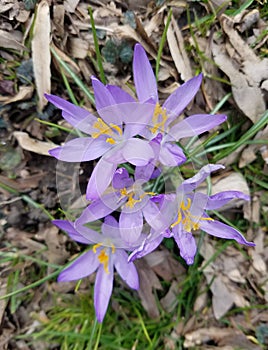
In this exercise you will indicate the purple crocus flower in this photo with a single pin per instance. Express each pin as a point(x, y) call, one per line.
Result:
point(111, 135)
point(126, 193)
point(103, 257)
point(158, 129)
point(189, 214)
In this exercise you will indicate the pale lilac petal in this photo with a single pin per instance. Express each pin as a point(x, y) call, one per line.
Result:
point(119, 95)
point(103, 97)
point(68, 226)
point(158, 219)
point(194, 125)
point(81, 149)
point(137, 152)
point(121, 179)
point(100, 179)
point(181, 97)
point(191, 184)
point(145, 248)
point(171, 155)
point(219, 199)
point(83, 266)
point(218, 229)
point(103, 291)
point(144, 78)
point(99, 208)
point(78, 117)
point(186, 244)
point(144, 173)
point(131, 225)
point(125, 269)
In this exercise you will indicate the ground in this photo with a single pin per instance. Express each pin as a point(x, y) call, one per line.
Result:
point(49, 46)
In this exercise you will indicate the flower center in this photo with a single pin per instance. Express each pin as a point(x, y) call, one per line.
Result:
point(130, 194)
point(159, 119)
point(105, 129)
point(103, 257)
point(188, 220)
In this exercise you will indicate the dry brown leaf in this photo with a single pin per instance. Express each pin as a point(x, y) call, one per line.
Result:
point(41, 52)
point(148, 281)
point(249, 153)
point(78, 47)
point(74, 67)
point(25, 93)
point(32, 145)
point(245, 70)
point(177, 50)
point(70, 5)
point(9, 40)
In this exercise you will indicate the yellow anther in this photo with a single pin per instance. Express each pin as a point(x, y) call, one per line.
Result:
point(117, 128)
point(187, 206)
point(179, 219)
point(110, 140)
point(159, 119)
point(113, 249)
point(132, 201)
point(95, 247)
point(104, 259)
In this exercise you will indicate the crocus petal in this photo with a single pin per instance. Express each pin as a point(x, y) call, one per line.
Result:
point(186, 244)
point(103, 97)
point(145, 248)
point(126, 270)
point(218, 229)
point(219, 199)
point(130, 225)
point(103, 291)
point(68, 226)
point(144, 78)
point(191, 184)
point(171, 155)
point(158, 219)
point(119, 95)
point(81, 149)
point(194, 125)
point(83, 266)
point(144, 173)
point(98, 209)
point(121, 179)
point(181, 97)
point(100, 179)
point(75, 115)
point(137, 152)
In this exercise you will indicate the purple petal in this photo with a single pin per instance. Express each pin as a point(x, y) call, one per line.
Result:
point(181, 97)
point(103, 291)
point(100, 179)
point(81, 149)
point(191, 184)
point(194, 125)
point(78, 117)
point(146, 248)
point(103, 97)
point(121, 179)
point(144, 173)
point(125, 269)
point(171, 155)
point(218, 229)
point(83, 266)
point(119, 95)
point(69, 228)
point(158, 219)
point(131, 225)
point(137, 152)
point(186, 244)
point(98, 209)
point(219, 199)
point(144, 78)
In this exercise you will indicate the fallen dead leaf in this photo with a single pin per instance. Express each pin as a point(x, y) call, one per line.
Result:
point(25, 93)
point(8, 40)
point(41, 52)
point(177, 50)
point(32, 145)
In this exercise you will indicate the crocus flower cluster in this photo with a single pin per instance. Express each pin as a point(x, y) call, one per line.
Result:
point(134, 141)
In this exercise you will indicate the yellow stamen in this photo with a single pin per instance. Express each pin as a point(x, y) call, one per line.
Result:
point(96, 246)
point(105, 129)
point(110, 140)
point(159, 125)
point(117, 128)
point(187, 206)
point(178, 221)
point(104, 259)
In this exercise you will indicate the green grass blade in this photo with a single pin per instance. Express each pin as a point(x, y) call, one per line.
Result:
point(162, 43)
point(97, 48)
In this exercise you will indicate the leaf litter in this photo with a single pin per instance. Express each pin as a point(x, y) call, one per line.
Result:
point(233, 63)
